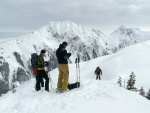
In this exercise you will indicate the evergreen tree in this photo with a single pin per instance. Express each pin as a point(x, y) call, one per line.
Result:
point(142, 92)
point(131, 82)
point(148, 95)
point(120, 81)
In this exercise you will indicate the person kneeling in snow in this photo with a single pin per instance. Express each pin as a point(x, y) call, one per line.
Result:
point(98, 71)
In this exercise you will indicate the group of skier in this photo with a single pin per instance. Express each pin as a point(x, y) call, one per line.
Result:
point(38, 65)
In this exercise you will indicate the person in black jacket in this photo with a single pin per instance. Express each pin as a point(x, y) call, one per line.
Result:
point(62, 57)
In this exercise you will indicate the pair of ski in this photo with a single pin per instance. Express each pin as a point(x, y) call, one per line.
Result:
point(77, 61)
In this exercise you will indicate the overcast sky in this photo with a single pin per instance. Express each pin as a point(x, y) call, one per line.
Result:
point(106, 15)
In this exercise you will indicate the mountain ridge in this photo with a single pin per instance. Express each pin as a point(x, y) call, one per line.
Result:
point(89, 43)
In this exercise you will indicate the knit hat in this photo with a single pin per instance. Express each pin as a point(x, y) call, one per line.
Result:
point(43, 51)
point(64, 43)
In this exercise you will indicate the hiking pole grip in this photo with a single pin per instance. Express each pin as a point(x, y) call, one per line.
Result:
point(76, 60)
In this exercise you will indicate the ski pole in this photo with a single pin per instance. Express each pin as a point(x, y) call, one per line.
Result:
point(52, 81)
point(79, 67)
point(78, 58)
point(51, 84)
point(35, 82)
point(93, 76)
point(76, 71)
point(69, 60)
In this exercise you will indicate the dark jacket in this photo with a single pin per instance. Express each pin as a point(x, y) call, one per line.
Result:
point(62, 55)
point(41, 63)
point(98, 71)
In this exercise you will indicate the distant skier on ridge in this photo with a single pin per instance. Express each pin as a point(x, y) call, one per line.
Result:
point(98, 72)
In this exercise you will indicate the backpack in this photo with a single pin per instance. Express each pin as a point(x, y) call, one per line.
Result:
point(34, 71)
point(74, 85)
point(97, 71)
point(34, 60)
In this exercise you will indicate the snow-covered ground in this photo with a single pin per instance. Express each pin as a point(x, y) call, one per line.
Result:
point(93, 96)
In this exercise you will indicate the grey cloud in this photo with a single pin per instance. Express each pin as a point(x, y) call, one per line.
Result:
point(32, 14)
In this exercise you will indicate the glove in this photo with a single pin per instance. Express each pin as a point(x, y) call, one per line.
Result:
point(46, 63)
point(46, 72)
point(69, 54)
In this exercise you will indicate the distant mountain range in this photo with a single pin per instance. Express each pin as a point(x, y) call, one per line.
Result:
point(87, 42)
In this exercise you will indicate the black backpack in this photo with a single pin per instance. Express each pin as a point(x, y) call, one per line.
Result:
point(34, 60)
point(74, 85)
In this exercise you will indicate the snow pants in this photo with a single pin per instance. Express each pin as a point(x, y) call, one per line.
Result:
point(39, 80)
point(63, 76)
point(98, 76)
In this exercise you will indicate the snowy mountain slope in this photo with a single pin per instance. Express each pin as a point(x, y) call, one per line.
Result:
point(133, 58)
point(15, 53)
point(87, 42)
point(123, 37)
point(93, 96)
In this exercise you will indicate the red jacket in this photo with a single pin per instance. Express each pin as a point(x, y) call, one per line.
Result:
point(98, 71)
